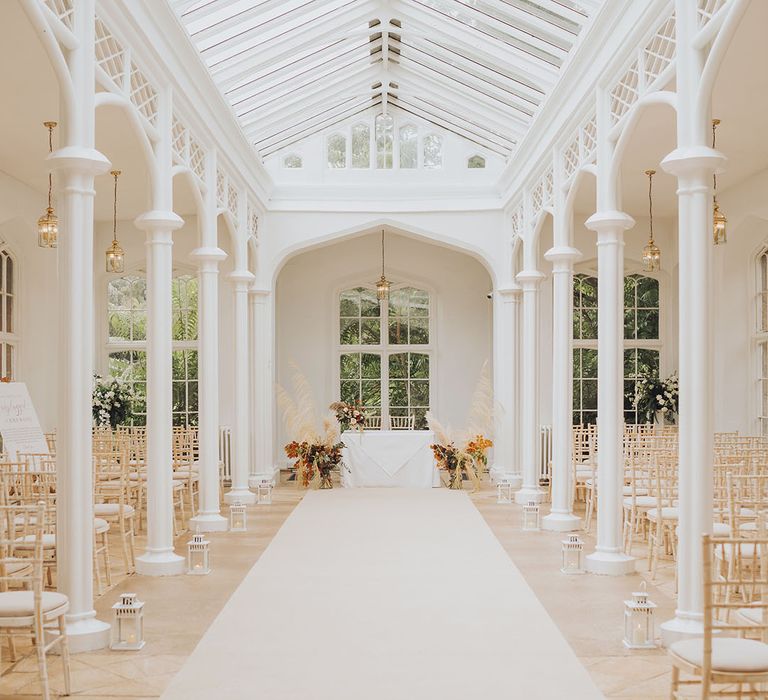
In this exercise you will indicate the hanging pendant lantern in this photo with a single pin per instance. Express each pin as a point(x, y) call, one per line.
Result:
point(383, 285)
point(115, 254)
point(48, 223)
point(719, 220)
point(651, 252)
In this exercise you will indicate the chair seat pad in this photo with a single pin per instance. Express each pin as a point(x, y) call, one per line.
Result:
point(721, 529)
point(746, 550)
point(729, 655)
point(101, 510)
point(584, 473)
point(641, 502)
point(28, 541)
point(100, 526)
point(753, 615)
point(668, 513)
point(22, 603)
point(185, 473)
point(138, 476)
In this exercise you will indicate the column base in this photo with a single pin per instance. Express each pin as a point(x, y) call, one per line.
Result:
point(681, 627)
point(210, 522)
point(561, 522)
point(166, 563)
point(525, 495)
point(609, 564)
point(240, 496)
point(87, 635)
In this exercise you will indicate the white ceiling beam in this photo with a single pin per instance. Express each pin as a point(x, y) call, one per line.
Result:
point(561, 29)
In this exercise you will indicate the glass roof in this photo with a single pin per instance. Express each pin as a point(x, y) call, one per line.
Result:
point(477, 68)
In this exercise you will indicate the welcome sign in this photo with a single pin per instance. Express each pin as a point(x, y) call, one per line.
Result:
point(19, 426)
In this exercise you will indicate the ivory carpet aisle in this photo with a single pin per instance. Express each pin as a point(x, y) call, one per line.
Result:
point(382, 594)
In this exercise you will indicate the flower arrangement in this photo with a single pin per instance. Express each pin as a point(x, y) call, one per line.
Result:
point(350, 415)
point(655, 397)
point(470, 459)
point(314, 461)
point(112, 399)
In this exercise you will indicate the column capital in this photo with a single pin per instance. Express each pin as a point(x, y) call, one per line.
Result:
point(152, 221)
point(562, 257)
point(76, 159)
point(609, 221)
point(530, 279)
point(509, 293)
point(693, 161)
point(259, 292)
point(241, 279)
point(208, 255)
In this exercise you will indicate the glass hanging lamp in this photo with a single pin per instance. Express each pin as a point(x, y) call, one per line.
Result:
point(115, 254)
point(719, 219)
point(651, 252)
point(383, 285)
point(48, 223)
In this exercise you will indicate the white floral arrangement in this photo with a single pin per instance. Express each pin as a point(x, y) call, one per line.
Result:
point(654, 397)
point(112, 398)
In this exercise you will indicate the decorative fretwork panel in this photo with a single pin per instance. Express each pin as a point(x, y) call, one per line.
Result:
point(232, 201)
point(143, 95)
point(179, 140)
point(517, 221)
point(589, 140)
point(541, 196)
point(221, 188)
point(110, 55)
point(253, 221)
point(660, 51)
point(572, 158)
point(196, 158)
point(625, 94)
point(64, 10)
point(708, 9)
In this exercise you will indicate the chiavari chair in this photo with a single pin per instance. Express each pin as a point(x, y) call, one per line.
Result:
point(30, 611)
point(663, 518)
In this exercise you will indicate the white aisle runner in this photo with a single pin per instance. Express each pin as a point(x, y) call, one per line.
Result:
point(368, 594)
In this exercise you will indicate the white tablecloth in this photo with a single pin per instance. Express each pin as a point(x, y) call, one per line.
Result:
point(389, 458)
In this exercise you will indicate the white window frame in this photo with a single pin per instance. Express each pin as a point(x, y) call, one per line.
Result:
point(384, 348)
point(10, 339)
point(759, 340)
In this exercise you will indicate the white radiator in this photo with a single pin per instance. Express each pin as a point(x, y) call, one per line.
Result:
point(225, 452)
point(545, 453)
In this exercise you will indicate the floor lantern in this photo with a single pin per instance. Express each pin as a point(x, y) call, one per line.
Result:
point(198, 555)
point(128, 624)
point(238, 518)
point(531, 517)
point(264, 492)
point(639, 624)
point(573, 551)
point(504, 491)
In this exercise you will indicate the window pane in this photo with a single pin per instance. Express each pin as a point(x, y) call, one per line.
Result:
point(589, 393)
point(371, 393)
point(398, 366)
point(419, 366)
point(369, 303)
point(350, 366)
point(433, 151)
point(349, 303)
point(476, 162)
point(361, 146)
point(648, 292)
point(420, 393)
point(337, 151)
point(350, 391)
point(350, 331)
point(419, 331)
point(398, 331)
point(589, 363)
point(589, 324)
point(647, 324)
point(292, 161)
point(408, 147)
point(385, 126)
point(370, 331)
point(370, 366)
point(398, 393)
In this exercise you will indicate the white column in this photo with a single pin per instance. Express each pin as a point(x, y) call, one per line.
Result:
point(77, 168)
point(209, 518)
point(240, 447)
point(608, 557)
point(505, 308)
point(262, 365)
point(561, 517)
point(159, 559)
point(530, 281)
point(694, 168)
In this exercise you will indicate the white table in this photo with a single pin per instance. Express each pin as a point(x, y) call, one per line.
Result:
point(399, 458)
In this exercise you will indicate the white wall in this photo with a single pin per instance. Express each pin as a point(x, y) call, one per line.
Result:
point(307, 303)
point(37, 298)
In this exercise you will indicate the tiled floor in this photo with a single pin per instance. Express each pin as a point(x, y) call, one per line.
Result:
point(587, 609)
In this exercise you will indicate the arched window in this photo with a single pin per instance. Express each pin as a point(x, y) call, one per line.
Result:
point(476, 162)
point(292, 161)
point(385, 127)
point(127, 342)
point(761, 340)
point(388, 371)
point(642, 342)
point(361, 146)
point(433, 151)
point(337, 151)
point(8, 333)
point(409, 146)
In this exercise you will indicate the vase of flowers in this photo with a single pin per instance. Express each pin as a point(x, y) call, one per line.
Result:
point(470, 459)
point(656, 399)
point(350, 415)
point(112, 399)
point(315, 461)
